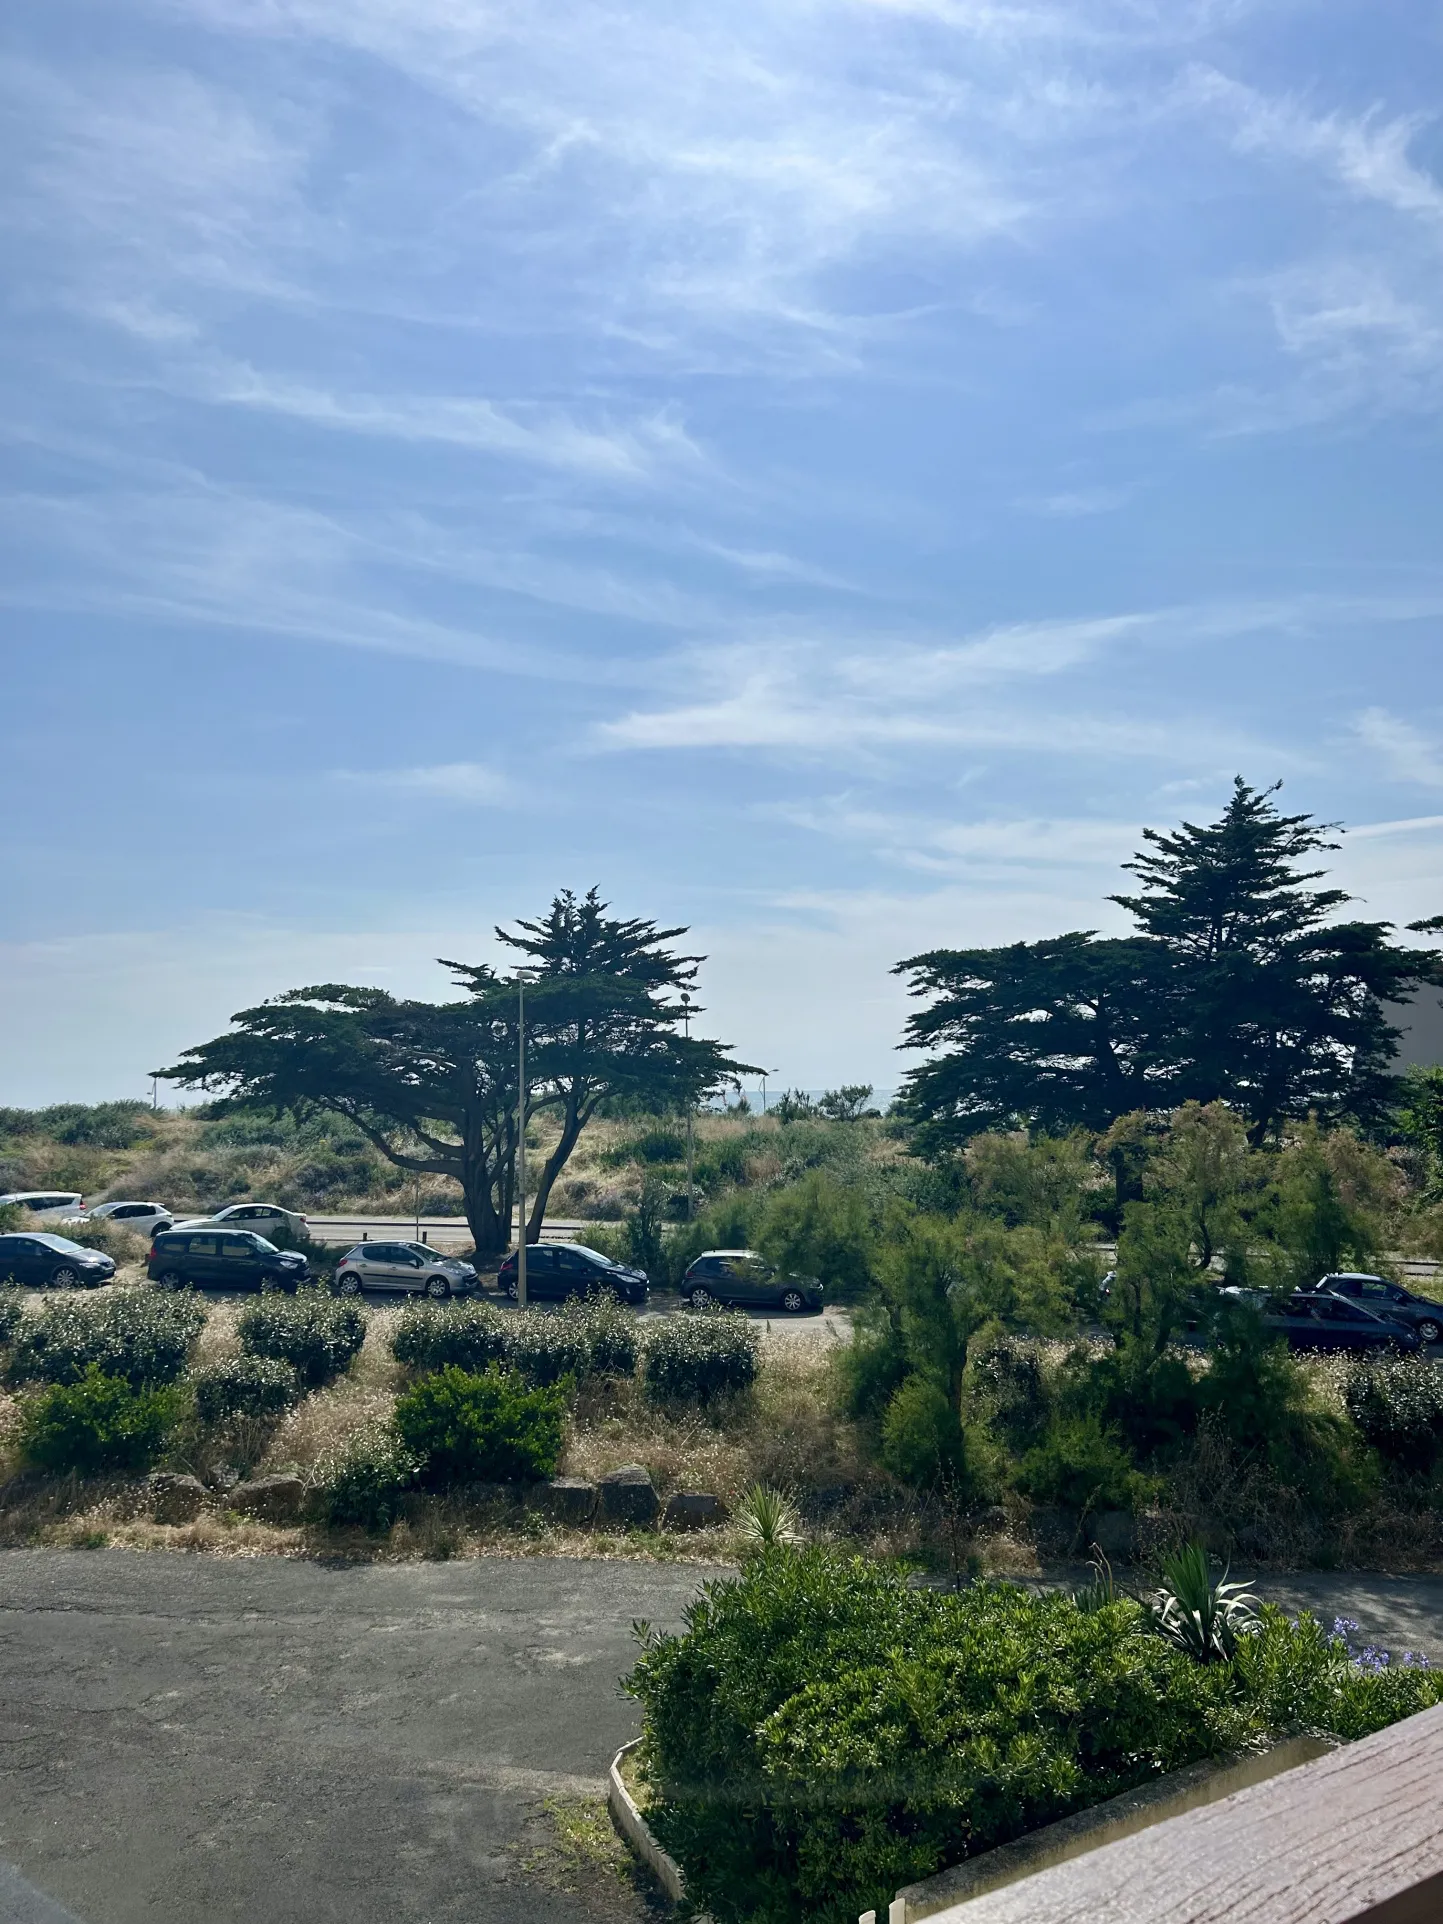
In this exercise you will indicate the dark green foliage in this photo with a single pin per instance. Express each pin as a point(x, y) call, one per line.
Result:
point(244, 1386)
point(362, 1484)
point(1008, 1388)
point(96, 1424)
point(1397, 1404)
point(663, 1143)
point(821, 1735)
point(431, 1336)
point(1241, 986)
point(142, 1335)
point(698, 1358)
point(317, 1334)
point(480, 1429)
point(816, 1227)
point(922, 1439)
point(92, 1125)
point(12, 1304)
point(1080, 1466)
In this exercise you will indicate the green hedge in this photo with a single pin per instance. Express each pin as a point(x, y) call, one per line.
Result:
point(97, 1424)
point(480, 1429)
point(244, 1386)
point(697, 1358)
point(1397, 1403)
point(461, 1335)
point(317, 1334)
point(363, 1482)
point(142, 1335)
point(12, 1308)
point(820, 1734)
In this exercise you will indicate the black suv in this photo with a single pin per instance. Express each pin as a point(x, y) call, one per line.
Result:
point(555, 1271)
point(223, 1259)
point(1425, 1319)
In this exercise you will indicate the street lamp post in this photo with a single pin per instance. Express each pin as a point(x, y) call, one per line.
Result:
point(690, 1105)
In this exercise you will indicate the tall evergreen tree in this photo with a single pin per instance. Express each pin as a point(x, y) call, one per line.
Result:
point(1239, 987)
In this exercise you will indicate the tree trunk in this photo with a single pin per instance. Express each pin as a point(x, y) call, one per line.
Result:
point(555, 1163)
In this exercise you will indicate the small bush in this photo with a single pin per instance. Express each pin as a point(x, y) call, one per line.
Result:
point(465, 1335)
point(363, 1482)
point(543, 1349)
point(12, 1308)
point(143, 1335)
point(480, 1429)
point(1080, 1466)
point(244, 1386)
point(697, 1358)
point(922, 1435)
point(97, 1424)
point(1007, 1388)
point(1398, 1406)
point(318, 1334)
point(111, 1238)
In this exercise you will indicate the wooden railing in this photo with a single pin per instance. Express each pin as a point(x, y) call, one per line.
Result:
point(1356, 1836)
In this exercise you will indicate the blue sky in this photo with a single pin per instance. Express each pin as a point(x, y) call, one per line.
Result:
point(826, 472)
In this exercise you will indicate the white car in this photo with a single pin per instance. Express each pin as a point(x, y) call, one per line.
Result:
point(262, 1219)
point(143, 1218)
point(410, 1266)
point(44, 1205)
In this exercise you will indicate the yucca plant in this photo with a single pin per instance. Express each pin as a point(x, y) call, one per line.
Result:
point(1101, 1588)
point(766, 1519)
point(1201, 1617)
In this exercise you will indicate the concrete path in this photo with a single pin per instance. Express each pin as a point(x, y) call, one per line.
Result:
point(198, 1740)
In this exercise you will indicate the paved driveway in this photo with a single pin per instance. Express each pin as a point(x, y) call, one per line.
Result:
point(190, 1740)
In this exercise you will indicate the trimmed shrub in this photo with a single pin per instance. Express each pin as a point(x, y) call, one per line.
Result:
point(318, 1334)
point(609, 1332)
point(480, 1429)
point(544, 1349)
point(244, 1386)
point(698, 1357)
point(820, 1734)
point(97, 1424)
point(363, 1482)
point(1007, 1387)
point(143, 1335)
point(465, 1335)
point(1397, 1403)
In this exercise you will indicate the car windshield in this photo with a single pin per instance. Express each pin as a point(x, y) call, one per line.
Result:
point(266, 1249)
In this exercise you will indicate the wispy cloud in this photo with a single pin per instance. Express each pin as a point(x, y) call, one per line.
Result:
point(1407, 753)
point(472, 784)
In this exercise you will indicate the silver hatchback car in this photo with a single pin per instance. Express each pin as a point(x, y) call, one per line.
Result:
point(408, 1266)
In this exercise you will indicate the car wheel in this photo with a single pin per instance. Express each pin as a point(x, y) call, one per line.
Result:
point(512, 1290)
point(64, 1277)
point(437, 1288)
point(350, 1283)
point(793, 1302)
point(1428, 1330)
point(701, 1299)
point(170, 1279)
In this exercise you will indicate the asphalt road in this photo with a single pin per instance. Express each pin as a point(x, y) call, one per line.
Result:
point(193, 1740)
point(198, 1740)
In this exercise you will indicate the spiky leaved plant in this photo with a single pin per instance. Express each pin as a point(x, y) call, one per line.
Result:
point(1201, 1617)
point(766, 1519)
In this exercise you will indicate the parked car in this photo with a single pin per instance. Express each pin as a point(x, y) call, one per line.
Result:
point(555, 1271)
point(38, 1260)
point(144, 1218)
point(213, 1257)
point(262, 1219)
point(412, 1266)
point(1387, 1299)
point(743, 1278)
point(44, 1205)
point(1311, 1319)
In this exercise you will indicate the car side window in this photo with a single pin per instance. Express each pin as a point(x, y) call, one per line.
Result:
point(1338, 1313)
point(202, 1245)
point(1298, 1312)
point(236, 1246)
